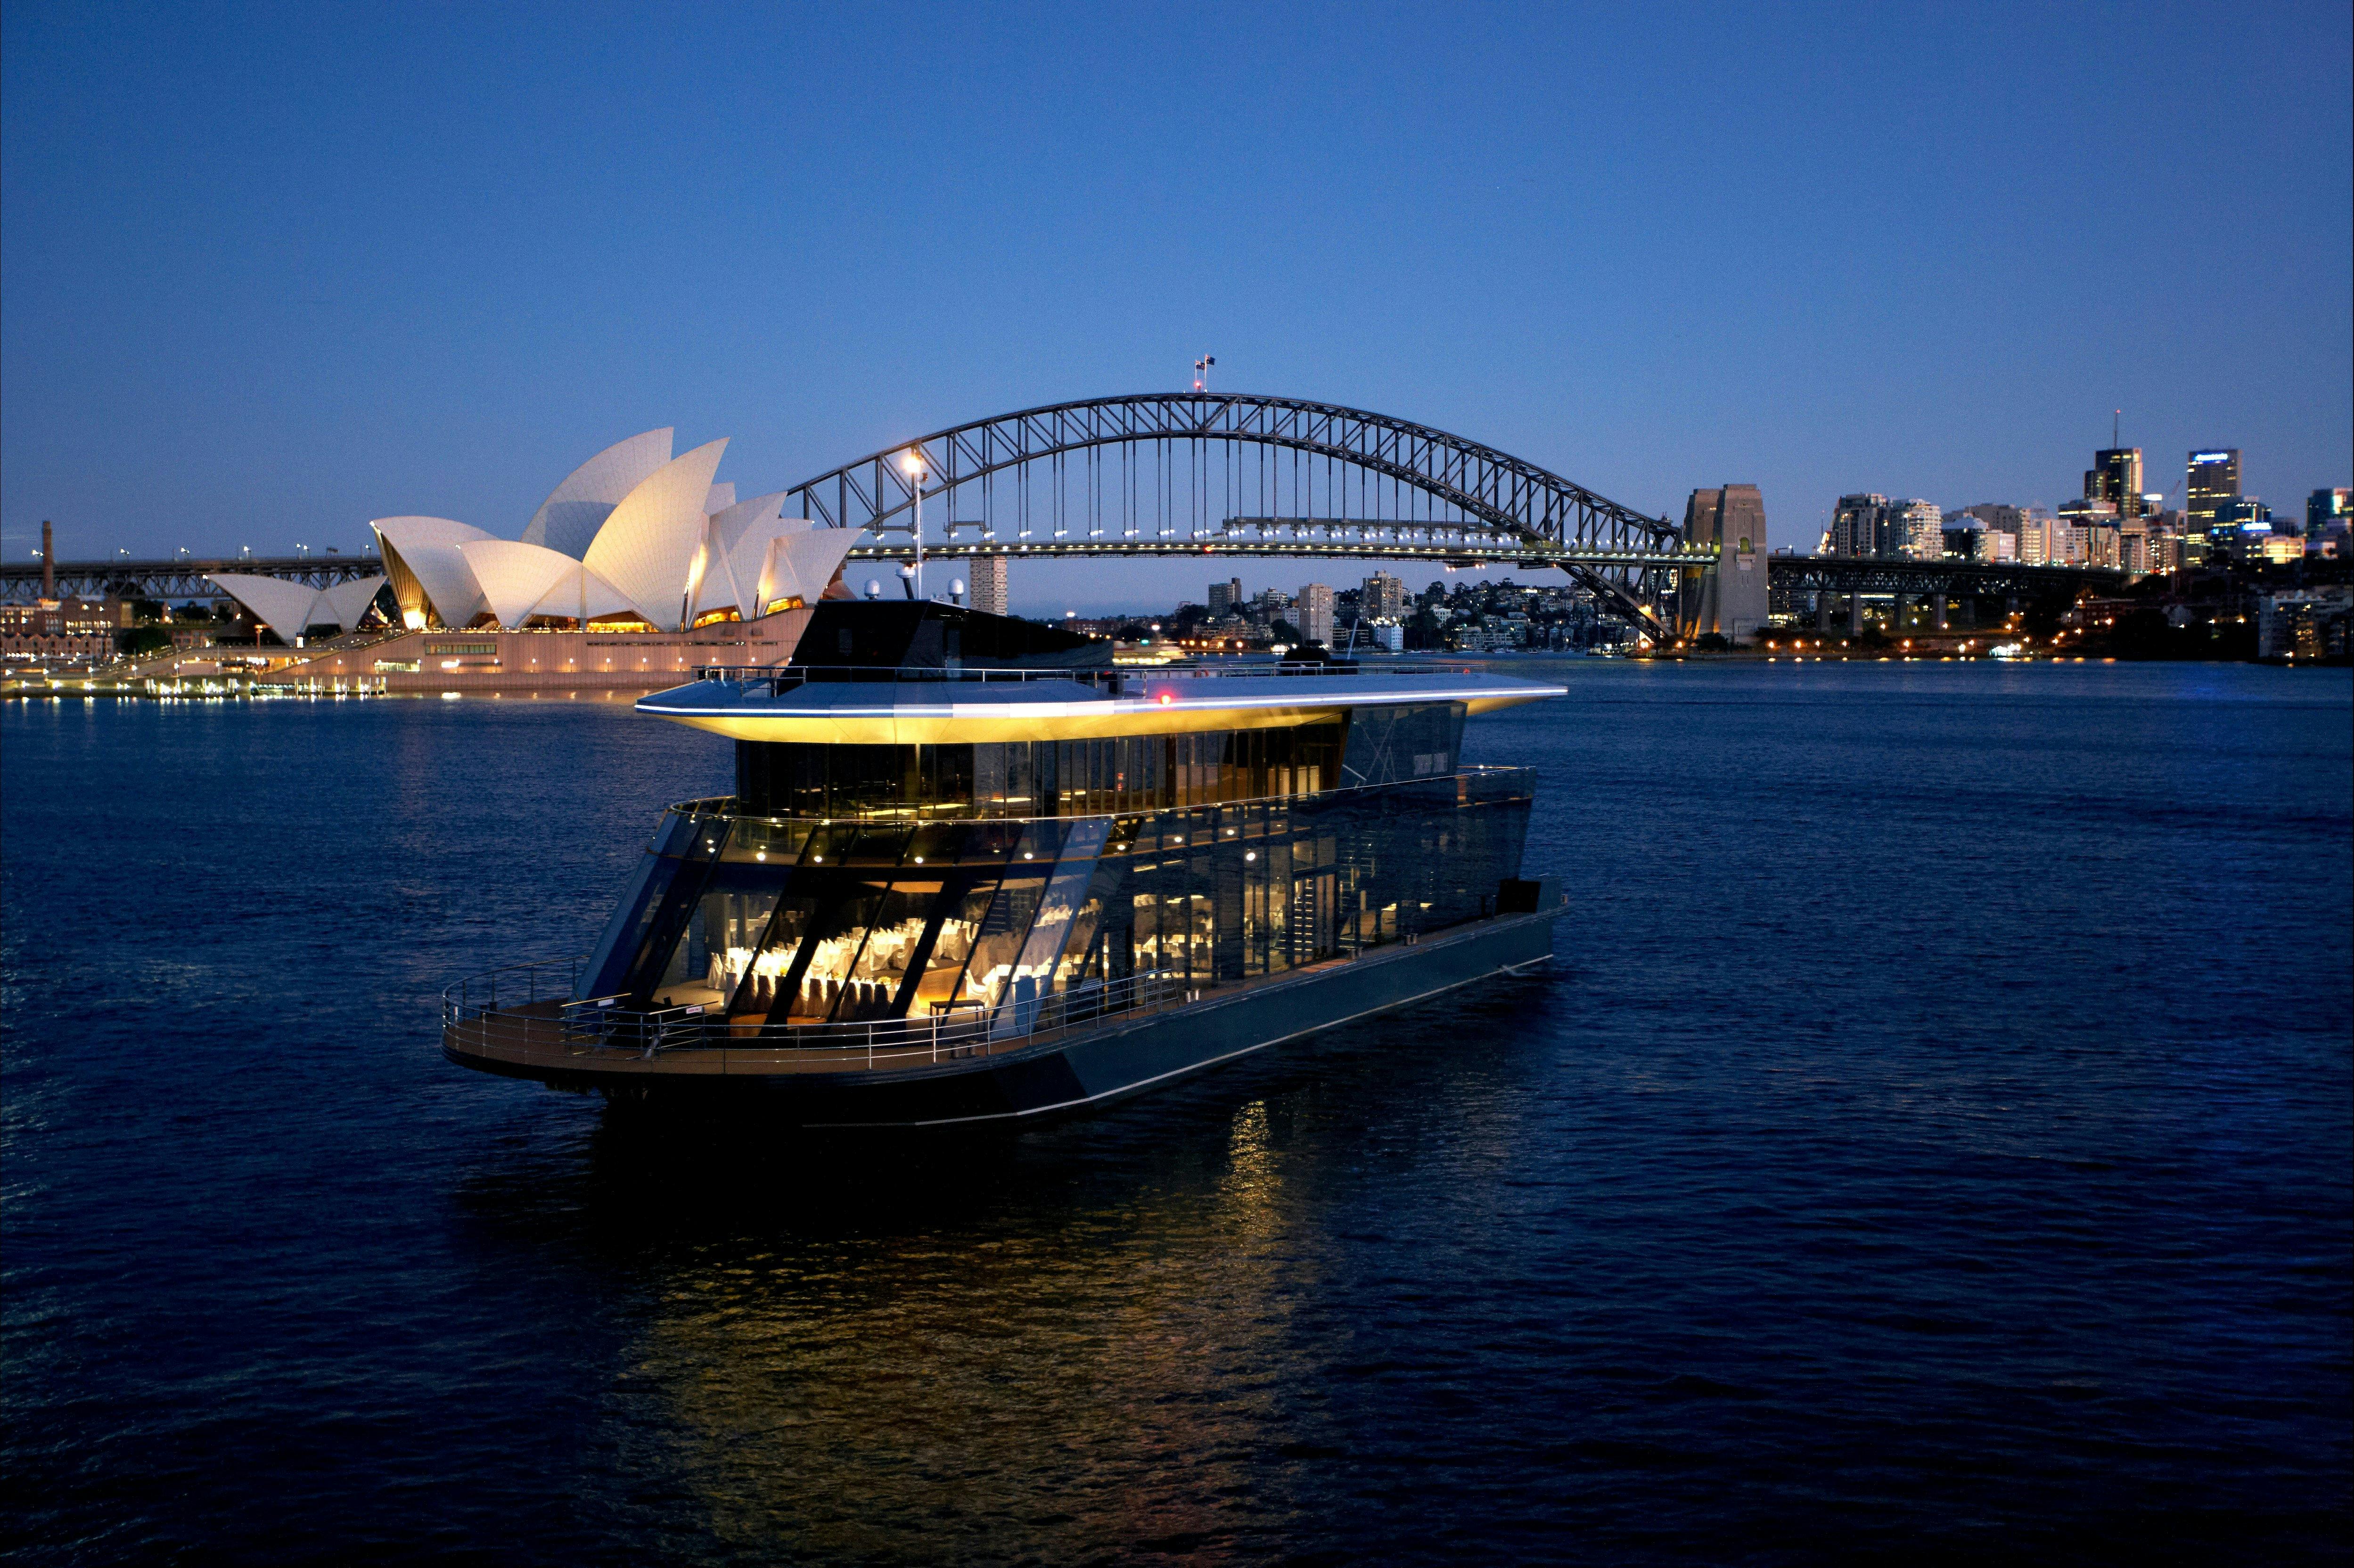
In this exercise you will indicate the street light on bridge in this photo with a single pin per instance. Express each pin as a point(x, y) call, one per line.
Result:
point(914, 465)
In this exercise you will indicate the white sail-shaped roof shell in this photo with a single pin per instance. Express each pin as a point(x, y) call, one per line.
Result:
point(735, 546)
point(804, 560)
point(286, 607)
point(427, 548)
point(568, 520)
point(721, 498)
point(514, 577)
point(647, 548)
point(345, 603)
point(523, 581)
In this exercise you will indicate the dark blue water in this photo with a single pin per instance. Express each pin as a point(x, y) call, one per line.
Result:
point(1932, 1143)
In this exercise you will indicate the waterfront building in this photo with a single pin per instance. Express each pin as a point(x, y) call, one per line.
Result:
point(1227, 597)
point(2213, 479)
point(2307, 624)
point(986, 575)
point(1389, 636)
point(82, 629)
point(1315, 614)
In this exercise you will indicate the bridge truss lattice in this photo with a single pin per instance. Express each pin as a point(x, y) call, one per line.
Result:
point(1160, 473)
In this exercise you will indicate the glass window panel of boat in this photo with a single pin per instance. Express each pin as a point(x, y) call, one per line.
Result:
point(625, 932)
point(1033, 973)
point(773, 964)
point(999, 945)
point(1083, 950)
point(1266, 905)
point(764, 841)
point(834, 945)
point(961, 926)
point(875, 976)
point(832, 843)
point(725, 935)
point(879, 844)
point(938, 845)
point(990, 844)
point(638, 950)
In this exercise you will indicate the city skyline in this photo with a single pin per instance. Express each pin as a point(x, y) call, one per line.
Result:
point(240, 308)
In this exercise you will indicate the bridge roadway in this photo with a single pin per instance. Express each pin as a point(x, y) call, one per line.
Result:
point(179, 580)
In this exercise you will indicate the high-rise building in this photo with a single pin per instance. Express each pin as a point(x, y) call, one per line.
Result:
point(2326, 508)
point(1917, 530)
point(986, 575)
point(1313, 614)
point(1226, 598)
point(2115, 478)
point(1859, 525)
point(1383, 597)
point(2213, 479)
point(1991, 514)
point(2035, 541)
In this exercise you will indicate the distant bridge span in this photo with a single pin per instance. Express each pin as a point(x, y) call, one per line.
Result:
point(1227, 472)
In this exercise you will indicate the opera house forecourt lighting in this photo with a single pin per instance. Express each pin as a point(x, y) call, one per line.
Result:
point(633, 539)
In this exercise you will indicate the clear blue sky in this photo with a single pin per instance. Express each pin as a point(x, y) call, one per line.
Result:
point(265, 274)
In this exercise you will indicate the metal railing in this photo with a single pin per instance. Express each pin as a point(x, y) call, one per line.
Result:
point(534, 1023)
point(1117, 680)
point(1474, 781)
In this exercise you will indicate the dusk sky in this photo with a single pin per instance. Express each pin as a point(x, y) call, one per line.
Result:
point(266, 274)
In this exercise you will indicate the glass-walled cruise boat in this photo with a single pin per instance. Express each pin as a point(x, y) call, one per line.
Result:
point(971, 872)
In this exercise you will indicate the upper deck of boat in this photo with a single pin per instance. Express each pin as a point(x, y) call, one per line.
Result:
point(947, 705)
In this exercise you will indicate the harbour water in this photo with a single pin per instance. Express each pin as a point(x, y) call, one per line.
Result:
point(1931, 1142)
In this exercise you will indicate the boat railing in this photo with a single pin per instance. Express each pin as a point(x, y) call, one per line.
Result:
point(511, 1011)
point(1471, 781)
point(1117, 680)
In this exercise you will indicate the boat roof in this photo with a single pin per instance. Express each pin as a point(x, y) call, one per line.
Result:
point(933, 707)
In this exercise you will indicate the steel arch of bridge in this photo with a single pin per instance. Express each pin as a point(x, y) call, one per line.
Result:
point(1469, 495)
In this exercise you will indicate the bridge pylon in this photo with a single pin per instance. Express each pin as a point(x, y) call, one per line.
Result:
point(1727, 596)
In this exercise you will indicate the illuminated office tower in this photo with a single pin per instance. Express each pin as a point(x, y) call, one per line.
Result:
point(2328, 508)
point(2115, 478)
point(2214, 481)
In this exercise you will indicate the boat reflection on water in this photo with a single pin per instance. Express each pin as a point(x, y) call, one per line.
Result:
point(1106, 1335)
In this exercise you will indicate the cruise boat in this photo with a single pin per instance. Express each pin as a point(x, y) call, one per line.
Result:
point(973, 872)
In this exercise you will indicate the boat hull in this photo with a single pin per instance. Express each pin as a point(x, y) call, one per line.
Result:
point(1078, 1073)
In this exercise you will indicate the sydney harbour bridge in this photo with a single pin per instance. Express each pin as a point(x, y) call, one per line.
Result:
point(1209, 474)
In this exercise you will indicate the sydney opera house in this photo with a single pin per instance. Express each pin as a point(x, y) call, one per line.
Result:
point(646, 553)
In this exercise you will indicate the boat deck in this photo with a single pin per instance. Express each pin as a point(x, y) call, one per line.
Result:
point(537, 1040)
